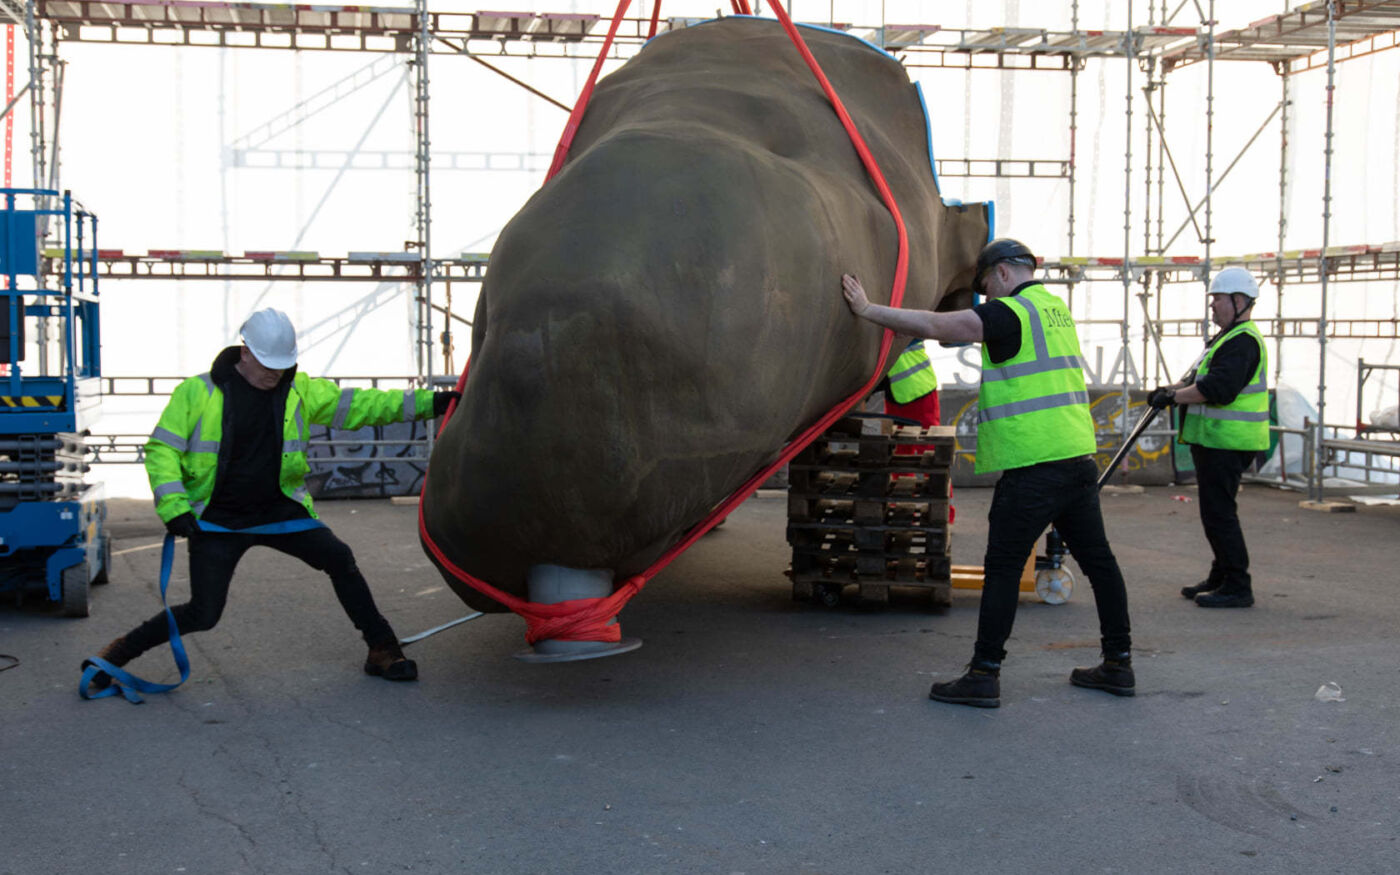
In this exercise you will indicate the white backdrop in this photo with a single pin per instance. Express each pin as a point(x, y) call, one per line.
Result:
point(146, 132)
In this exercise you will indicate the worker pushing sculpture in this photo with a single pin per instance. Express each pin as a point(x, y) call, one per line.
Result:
point(657, 322)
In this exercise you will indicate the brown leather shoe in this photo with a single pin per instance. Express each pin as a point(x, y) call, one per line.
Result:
point(387, 661)
point(118, 653)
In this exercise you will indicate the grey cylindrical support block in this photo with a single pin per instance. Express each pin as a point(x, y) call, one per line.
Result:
point(551, 584)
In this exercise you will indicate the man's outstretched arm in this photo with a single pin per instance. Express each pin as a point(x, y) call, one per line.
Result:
point(961, 326)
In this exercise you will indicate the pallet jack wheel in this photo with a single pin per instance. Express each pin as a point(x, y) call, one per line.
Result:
point(102, 576)
point(1054, 585)
point(75, 590)
point(827, 594)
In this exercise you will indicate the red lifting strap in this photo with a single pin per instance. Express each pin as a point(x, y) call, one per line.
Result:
point(589, 619)
point(655, 17)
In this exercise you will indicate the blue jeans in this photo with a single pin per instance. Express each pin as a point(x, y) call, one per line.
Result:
point(1027, 501)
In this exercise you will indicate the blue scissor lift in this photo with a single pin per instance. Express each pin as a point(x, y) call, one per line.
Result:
point(53, 537)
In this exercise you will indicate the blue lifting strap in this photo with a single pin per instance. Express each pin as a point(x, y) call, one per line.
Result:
point(128, 684)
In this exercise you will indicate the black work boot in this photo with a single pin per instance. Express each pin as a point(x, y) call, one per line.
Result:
point(387, 661)
point(1113, 675)
point(1207, 585)
point(980, 687)
point(1226, 598)
point(118, 653)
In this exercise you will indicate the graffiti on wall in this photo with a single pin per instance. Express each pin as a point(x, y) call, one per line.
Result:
point(1148, 463)
point(378, 467)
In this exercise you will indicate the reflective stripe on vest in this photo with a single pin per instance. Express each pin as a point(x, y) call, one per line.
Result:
point(1045, 402)
point(1243, 424)
point(1042, 362)
point(1035, 407)
point(197, 442)
point(174, 487)
point(912, 377)
point(167, 436)
point(342, 408)
point(299, 444)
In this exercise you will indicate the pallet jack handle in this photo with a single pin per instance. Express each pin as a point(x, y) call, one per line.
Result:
point(1142, 424)
point(1053, 583)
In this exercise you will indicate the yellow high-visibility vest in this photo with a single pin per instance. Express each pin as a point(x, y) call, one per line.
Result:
point(1035, 407)
point(1243, 424)
point(911, 376)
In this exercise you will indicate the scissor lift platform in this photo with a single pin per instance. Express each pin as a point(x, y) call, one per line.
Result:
point(53, 538)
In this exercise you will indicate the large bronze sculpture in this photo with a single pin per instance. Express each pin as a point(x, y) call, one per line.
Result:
point(663, 315)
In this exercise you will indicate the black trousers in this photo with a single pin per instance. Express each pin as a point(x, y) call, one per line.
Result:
point(1027, 501)
point(1218, 474)
point(215, 555)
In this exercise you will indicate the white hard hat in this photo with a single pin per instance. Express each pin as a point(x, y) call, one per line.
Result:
point(1235, 281)
point(271, 339)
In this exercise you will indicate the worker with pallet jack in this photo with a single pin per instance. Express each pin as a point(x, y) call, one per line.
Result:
point(1224, 404)
point(1035, 427)
point(227, 465)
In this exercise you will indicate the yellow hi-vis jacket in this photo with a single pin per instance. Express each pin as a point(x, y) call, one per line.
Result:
point(182, 455)
point(911, 376)
point(1243, 424)
point(1034, 407)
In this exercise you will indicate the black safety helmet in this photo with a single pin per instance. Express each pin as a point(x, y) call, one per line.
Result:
point(997, 251)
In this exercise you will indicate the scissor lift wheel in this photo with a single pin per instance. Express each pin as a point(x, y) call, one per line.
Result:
point(75, 590)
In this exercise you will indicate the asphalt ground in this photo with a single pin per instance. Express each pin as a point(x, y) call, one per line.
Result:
point(751, 734)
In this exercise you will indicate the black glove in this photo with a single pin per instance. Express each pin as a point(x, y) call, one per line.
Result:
point(1162, 396)
point(442, 399)
point(183, 526)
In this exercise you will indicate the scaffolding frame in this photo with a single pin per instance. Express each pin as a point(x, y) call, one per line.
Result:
point(1316, 35)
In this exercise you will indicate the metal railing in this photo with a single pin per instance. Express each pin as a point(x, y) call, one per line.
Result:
point(1286, 478)
point(130, 449)
point(1377, 461)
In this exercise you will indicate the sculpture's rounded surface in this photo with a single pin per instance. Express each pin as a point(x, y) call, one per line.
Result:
point(663, 315)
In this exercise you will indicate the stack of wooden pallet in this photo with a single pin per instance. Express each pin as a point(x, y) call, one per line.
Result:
point(862, 514)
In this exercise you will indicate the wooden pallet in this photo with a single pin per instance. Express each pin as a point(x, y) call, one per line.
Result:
point(824, 582)
point(878, 443)
point(876, 481)
point(906, 500)
point(862, 514)
point(841, 537)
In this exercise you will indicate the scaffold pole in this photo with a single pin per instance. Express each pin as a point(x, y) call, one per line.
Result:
point(423, 309)
point(1129, 56)
point(1322, 258)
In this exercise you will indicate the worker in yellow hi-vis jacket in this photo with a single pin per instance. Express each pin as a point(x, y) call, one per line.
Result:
point(227, 465)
